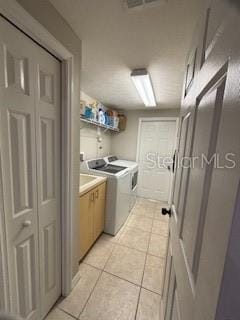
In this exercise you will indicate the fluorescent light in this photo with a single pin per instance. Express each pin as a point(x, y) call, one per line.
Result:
point(143, 84)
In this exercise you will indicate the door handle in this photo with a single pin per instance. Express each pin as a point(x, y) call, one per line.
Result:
point(174, 161)
point(97, 194)
point(165, 211)
point(26, 223)
point(92, 197)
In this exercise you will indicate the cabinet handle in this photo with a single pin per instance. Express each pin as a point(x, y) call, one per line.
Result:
point(92, 196)
point(97, 194)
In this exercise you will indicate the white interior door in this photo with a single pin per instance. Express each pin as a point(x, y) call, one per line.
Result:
point(156, 145)
point(205, 194)
point(17, 116)
point(29, 133)
point(47, 97)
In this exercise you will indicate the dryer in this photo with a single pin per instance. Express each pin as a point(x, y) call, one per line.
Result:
point(133, 166)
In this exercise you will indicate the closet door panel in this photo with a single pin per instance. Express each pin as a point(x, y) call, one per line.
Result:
point(17, 134)
point(30, 141)
point(47, 93)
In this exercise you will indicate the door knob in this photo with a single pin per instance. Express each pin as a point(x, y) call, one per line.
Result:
point(26, 223)
point(165, 211)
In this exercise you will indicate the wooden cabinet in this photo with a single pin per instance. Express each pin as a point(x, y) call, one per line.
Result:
point(99, 210)
point(92, 214)
point(86, 222)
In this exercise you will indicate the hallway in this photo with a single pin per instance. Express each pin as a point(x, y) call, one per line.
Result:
point(121, 277)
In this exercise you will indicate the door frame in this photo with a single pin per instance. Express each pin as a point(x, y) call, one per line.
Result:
point(18, 16)
point(156, 119)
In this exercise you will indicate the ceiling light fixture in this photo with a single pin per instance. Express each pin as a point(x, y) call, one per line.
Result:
point(143, 84)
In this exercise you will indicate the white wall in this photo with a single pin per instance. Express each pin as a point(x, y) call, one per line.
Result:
point(89, 142)
point(89, 137)
point(124, 144)
point(51, 20)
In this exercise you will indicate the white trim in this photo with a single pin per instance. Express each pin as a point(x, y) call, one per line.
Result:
point(4, 283)
point(23, 20)
point(67, 183)
point(156, 119)
point(177, 139)
point(13, 11)
point(174, 174)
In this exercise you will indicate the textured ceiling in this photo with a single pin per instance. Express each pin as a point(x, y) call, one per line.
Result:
point(115, 41)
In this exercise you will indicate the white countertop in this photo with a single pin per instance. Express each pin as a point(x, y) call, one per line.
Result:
point(88, 182)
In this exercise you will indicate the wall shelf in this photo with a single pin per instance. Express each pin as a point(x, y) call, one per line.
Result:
point(95, 123)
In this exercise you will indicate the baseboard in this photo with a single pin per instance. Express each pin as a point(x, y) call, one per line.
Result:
point(75, 279)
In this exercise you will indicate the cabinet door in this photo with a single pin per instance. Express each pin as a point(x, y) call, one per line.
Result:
point(99, 210)
point(86, 222)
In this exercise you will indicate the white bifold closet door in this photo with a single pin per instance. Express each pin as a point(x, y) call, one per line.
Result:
point(30, 147)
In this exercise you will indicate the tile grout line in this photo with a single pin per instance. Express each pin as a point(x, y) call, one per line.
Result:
point(146, 289)
point(116, 276)
point(140, 228)
point(152, 233)
point(115, 244)
point(130, 282)
point(137, 285)
point(146, 253)
point(66, 312)
point(143, 275)
point(85, 304)
point(125, 246)
point(91, 293)
point(136, 228)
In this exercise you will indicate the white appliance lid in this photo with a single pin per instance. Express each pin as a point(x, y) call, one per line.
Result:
point(126, 163)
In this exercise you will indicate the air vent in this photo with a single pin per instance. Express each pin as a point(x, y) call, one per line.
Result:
point(132, 4)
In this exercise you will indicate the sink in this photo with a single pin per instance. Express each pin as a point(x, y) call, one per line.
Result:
point(85, 178)
point(88, 182)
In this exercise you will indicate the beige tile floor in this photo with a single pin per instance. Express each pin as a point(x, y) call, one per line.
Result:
point(122, 276)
